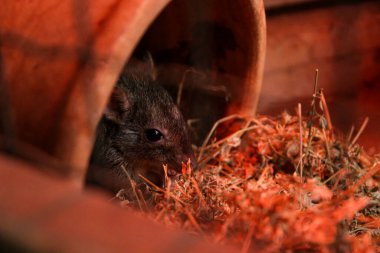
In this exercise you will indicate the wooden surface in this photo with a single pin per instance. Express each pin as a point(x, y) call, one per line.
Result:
point(343, 42)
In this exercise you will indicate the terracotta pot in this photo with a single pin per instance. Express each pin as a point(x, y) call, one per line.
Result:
point(60, 60)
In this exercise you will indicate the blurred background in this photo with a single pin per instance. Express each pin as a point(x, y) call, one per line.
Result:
point(342, 40)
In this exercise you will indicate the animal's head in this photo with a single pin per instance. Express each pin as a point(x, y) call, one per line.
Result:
point(145, 129)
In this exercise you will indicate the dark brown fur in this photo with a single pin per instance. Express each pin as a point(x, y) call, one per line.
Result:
point(138, 103)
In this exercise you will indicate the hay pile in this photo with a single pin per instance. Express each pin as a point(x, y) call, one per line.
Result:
point(281, 184)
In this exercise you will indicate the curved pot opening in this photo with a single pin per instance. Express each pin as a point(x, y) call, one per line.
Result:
point(203, 52)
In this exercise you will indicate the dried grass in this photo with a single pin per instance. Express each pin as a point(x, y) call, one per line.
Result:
point(277, 184)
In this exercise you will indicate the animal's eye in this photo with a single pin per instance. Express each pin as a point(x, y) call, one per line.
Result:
point(153, 135)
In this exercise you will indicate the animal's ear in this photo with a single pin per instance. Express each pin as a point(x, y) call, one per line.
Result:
point(117, 105)
point(144, 65)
